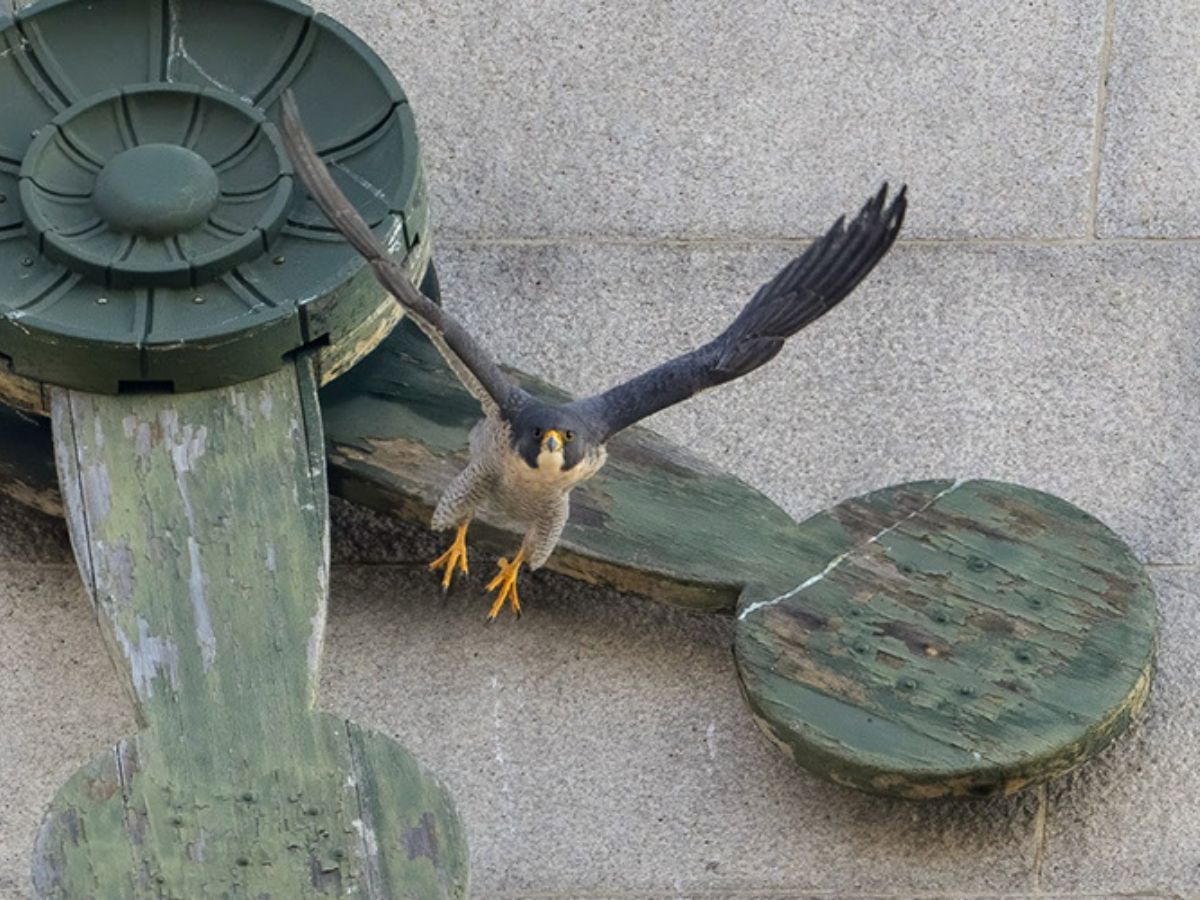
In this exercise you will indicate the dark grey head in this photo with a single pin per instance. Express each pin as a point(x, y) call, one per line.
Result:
point(558, 436)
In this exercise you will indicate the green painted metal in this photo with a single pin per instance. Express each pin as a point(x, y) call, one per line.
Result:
point(150, 230)
point(964, 639)
point(210, 583)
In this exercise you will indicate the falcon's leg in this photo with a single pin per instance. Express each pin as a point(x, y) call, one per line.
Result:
point(455, 557)
point(539, 542)
point(454, 510)
point(505, 585)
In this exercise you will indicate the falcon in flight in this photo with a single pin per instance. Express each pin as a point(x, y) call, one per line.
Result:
point(527, 455)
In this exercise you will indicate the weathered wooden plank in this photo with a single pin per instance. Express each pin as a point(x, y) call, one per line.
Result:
point(27, 472)
point(648, 523)
point(962, 639)
point(659, 522)
point(397, 430)
point(201, 526)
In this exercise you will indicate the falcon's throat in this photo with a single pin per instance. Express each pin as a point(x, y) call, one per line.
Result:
point(550, 458)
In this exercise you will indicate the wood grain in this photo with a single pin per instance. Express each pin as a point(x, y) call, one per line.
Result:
point(659, 522)
point(200, 524)
point(964, 639)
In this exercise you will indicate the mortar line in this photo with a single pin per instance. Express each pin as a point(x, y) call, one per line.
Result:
point(1105, 64)
point(792, 893)
point(1039, 835)
point(739, 241)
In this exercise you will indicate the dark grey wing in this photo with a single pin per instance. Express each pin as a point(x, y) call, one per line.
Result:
point(473, 366)
point(806, 289)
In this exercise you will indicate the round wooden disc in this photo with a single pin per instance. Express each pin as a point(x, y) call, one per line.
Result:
point(961, 639)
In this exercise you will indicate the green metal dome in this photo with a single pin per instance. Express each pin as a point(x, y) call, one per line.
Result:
point(151, 233)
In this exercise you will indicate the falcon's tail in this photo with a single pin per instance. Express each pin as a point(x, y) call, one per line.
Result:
point(809, 286)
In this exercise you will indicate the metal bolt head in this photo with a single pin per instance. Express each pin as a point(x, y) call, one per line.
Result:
point(197, 299)
point(102, 301)
point(27, 261)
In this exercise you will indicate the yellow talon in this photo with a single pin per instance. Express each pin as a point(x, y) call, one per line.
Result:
point(454, 558)
point(506, 583)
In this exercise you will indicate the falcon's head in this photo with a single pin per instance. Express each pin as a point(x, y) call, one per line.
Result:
point(551, 438)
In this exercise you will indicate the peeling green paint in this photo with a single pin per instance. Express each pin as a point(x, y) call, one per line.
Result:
point(941, 621)
point(649, 522)
point(966, 639)
point(202, 530)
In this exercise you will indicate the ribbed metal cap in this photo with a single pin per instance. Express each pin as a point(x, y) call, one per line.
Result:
point(150, 228)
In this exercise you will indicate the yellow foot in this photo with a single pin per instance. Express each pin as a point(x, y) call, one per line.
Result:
point(505, 583)
point(454, 558)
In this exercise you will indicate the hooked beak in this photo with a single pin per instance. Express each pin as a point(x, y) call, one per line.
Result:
point(552, 442)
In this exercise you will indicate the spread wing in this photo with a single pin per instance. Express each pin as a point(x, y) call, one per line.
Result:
point(473, 366)
point(801, 293)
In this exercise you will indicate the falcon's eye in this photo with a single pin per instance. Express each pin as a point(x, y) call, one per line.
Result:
point(568, 436)
point(537, 433)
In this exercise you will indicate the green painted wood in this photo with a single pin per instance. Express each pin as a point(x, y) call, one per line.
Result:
point(961, 639)
point(151, 234)
point(659, 522)
point(397, 428)
point(201, 528)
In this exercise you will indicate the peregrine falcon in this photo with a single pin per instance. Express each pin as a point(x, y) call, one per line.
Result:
point(527, 455)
